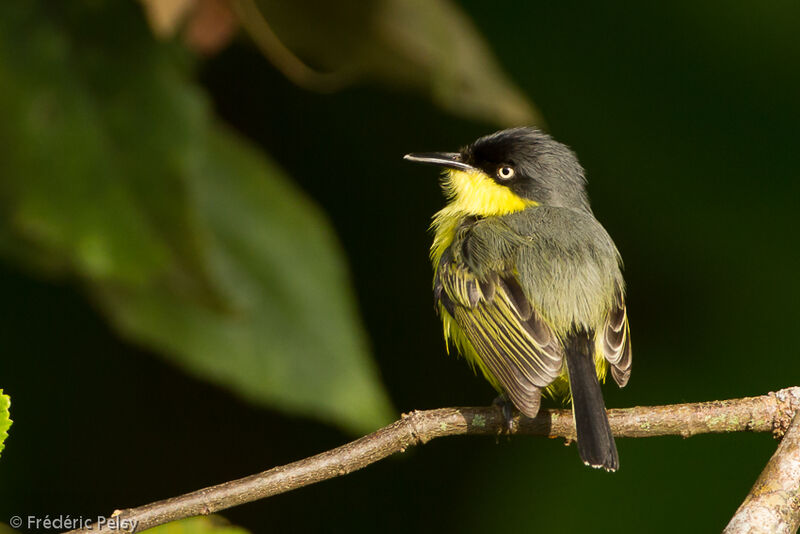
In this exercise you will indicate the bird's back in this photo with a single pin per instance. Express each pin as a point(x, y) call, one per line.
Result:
point(564, 260)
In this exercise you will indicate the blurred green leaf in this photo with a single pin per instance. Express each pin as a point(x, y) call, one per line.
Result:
point(5, 418)
point(199, 525)
point(114, 170)
point(428, 45)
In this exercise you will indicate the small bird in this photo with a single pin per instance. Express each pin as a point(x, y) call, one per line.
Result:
point(527, 282)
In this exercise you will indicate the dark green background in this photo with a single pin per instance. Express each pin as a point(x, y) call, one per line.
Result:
point(686, 119)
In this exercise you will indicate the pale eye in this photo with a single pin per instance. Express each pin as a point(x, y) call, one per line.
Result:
point(505, 172)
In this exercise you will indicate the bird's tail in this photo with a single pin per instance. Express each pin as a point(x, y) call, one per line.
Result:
point(595, 440)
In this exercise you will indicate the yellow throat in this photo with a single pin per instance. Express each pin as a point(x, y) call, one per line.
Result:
point(471, 193)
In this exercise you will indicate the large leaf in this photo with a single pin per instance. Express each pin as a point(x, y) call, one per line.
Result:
point(114, 170)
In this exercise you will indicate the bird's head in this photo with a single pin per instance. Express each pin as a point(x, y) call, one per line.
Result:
point(508, 171)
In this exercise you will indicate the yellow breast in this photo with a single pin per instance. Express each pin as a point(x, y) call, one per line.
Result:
point(470, 193)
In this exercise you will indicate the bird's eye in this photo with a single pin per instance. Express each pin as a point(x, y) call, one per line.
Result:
point(505, 172)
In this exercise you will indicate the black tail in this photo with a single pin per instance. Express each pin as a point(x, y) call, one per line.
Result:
point(595, 441)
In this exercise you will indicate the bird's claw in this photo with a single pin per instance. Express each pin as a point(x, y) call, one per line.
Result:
point(507, 410)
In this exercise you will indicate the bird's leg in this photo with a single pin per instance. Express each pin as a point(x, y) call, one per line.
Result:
point(507, 409)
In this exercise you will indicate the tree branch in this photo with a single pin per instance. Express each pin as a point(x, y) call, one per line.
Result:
point(773, 505)
point(768, 413)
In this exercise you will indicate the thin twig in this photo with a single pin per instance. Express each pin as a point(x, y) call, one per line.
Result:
point(773, 505)
point(767, 413)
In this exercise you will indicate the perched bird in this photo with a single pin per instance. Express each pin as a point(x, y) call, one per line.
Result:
point(527, 282)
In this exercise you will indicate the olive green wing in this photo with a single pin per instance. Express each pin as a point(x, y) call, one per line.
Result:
point(615, 342)
point(508, 336)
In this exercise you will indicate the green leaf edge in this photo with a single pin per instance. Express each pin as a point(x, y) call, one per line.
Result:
point(5, 418)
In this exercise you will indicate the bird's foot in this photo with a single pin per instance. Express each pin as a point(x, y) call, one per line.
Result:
point(507, 409)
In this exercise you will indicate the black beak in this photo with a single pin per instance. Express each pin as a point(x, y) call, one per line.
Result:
point(450, 160)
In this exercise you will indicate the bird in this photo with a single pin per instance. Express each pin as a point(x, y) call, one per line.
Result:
point(527, 283)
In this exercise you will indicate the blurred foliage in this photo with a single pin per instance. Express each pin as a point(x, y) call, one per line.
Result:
point(199, 525)
point(192, 242)
point(5, 418)
point(426, 45)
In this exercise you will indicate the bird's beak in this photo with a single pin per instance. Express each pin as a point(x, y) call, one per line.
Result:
point(450, 160)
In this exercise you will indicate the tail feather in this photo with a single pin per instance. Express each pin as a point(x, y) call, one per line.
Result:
point(595, 441)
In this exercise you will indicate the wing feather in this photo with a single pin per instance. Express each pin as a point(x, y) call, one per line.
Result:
point(615, 342)
point(508, 336)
